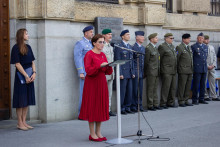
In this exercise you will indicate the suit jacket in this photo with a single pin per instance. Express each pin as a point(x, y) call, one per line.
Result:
point(140, 49)
point(200, 53)
point(108, 51)
point(126, 69)
point(211, 59)
point(152, 61)
point(184, 59)
point(168, 59)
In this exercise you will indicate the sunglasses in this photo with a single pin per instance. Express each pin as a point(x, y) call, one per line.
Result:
point(100, 42)
point(172, 38)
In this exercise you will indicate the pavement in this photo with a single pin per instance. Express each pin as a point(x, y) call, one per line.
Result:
point(192, 126)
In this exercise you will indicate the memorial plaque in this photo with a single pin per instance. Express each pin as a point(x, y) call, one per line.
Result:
point(115, 24)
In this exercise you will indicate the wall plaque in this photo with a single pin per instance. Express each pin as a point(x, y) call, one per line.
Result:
point(115, 24)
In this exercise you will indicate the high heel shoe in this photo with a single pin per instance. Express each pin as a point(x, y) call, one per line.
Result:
point(22, 128)
point(103, 139)
point(92, 139)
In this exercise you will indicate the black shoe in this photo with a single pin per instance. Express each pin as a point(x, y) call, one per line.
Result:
point(207, 99)
point(195, 103)
point(129, 111)
point(164, 107)
point(158, 108)
point(152, 109)
point(188, 104)
point(216, 99)
point(182, 105)
point(123, 113)
point(202, 102)
point(143, 110)
point(111, 114)
point(172, 106)
point(134, 110)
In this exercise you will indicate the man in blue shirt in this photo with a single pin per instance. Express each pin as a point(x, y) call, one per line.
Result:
point(200, 52)
point(81, 48)
point(141, 49)
point(126, 72)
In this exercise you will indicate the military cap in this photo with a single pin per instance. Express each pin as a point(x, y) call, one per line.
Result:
point(206, 37)
point(106, 31)
point(168, 34)
point(152, 36)
point(201, 34)
point(140, 33)
point(124, 32)
point(185, 36)
point(88, 28)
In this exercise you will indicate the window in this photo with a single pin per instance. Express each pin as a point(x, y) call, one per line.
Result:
point(169, 6)
point(215, 7)
point(105, 1)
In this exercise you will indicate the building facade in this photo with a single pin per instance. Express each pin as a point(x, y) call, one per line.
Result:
point(54, 26)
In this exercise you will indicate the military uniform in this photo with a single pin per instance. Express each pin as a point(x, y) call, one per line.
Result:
point(185, 71)
point(80, 49)
point(200, 52)
point(126, 70)
point(152, 72)
point(140, 49)
point(108, 51)
point(168, 65)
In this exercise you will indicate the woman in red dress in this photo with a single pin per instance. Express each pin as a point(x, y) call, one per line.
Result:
point(95, 100)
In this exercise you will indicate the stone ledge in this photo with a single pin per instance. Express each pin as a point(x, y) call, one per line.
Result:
point(191, 22)
point(202, 6)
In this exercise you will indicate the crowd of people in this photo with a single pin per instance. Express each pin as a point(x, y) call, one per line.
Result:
point(194, 65)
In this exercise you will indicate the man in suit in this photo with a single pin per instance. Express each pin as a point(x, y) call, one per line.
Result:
point(138, 83)
point(81, 48)
point(200, 52)
point(168, 65)
point(108, 51)
point(185, 70)
point(152, 72)
point(212, 64)
point(126, 72)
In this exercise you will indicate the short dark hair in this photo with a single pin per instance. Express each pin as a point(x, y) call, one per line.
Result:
point(96, 37)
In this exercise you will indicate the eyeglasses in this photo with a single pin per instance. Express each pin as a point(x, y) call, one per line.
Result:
point(101, 42)
point(172, 38)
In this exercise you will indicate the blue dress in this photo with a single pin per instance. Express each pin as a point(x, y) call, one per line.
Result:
point(24, 94)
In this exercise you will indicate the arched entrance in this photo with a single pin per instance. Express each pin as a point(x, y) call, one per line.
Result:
point(4, 61)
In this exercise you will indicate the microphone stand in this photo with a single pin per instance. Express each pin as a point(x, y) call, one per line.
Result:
point(139, 132)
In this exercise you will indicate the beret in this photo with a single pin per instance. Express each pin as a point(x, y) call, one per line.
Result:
point(185, 36)
point(106, 31)
point(88, 28)
point(168, 34)
point(140, 33)
point(152, 36)
point(206, 36)
point(124, 32)
point(201, 34)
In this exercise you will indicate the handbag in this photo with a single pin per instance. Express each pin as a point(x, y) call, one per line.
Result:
point(21, 77)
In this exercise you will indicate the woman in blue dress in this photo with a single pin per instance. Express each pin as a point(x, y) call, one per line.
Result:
point(24, 95)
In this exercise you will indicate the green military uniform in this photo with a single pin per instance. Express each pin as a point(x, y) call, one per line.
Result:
point(185, 71)
point(152, 72)
point(168, 64)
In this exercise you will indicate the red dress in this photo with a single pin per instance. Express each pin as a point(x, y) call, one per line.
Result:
point(95, 99)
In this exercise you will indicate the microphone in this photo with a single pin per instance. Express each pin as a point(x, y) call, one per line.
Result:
point(130, 50)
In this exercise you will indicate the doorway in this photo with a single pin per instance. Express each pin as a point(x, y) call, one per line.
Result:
point(5, 95)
